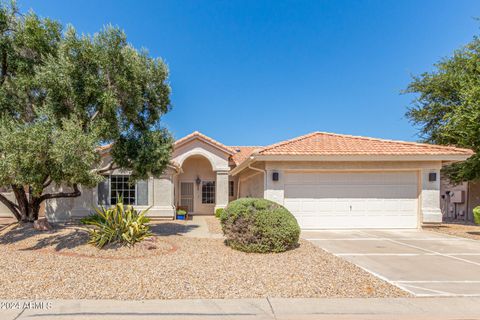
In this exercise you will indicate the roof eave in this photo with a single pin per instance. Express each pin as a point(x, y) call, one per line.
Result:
point(242, 166)
point(364, 157)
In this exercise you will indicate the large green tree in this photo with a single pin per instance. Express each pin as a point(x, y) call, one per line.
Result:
point(61, 96)
point(447, 107)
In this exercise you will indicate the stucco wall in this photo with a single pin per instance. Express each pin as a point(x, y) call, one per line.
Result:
point(4, 212)
point(251, 184)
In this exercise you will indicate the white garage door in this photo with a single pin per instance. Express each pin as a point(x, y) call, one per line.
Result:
point(352, 200)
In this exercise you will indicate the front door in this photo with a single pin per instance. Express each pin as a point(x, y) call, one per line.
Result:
point(186, 195)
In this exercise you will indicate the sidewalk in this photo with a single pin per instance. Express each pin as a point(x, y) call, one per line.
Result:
point(273, 308)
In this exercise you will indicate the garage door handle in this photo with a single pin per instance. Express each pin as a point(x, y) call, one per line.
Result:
point(350, 208)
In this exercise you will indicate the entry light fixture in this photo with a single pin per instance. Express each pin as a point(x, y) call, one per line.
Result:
point(432, 176)
point(198, 181)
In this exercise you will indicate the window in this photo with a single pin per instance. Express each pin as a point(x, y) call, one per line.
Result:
point(231, 191)
point(115, 186)
point(208, 192)
point(121, 188)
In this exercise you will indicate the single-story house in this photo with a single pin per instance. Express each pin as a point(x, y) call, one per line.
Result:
point(326, 180)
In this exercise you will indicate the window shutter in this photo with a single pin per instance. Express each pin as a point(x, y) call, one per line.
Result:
point(103, 194)
point(142, 193)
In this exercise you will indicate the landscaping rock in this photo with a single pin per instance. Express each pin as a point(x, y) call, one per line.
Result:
point(61, 265)
point(42, 225)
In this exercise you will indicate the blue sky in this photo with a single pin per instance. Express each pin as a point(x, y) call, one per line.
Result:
point(257, 72)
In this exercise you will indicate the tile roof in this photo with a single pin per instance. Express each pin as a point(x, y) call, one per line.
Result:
point(324, 143)
point(204, 137)
point(104, 147)
point(243, 152)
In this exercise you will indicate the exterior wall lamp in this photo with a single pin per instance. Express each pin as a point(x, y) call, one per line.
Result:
point(198, 181)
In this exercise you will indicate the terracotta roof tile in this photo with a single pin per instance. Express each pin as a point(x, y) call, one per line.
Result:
point(324, 143)
point(243, 152)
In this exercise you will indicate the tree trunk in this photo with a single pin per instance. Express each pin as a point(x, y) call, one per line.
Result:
point(22, 202)
point(27, 207)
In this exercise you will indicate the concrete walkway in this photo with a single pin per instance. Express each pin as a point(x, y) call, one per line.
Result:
point(273, 308)
point(194, 227)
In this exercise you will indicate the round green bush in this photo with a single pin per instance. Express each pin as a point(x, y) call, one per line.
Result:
point(259, 225)
point(476, 215)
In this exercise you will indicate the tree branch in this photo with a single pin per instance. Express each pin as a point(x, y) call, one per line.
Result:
point(11, 206)
point(47, 182)
point(75, 193)
point(94, 116)
point(3, 74)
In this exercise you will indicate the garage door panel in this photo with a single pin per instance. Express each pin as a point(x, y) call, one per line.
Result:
point(368, 178)
point(301, 192)
point(353, 200)
point(350, 191)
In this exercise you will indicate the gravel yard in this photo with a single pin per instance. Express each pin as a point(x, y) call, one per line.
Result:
point(458, 229)
point(214, 225)
point(58, 265)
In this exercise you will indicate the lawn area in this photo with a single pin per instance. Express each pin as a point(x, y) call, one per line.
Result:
point(59, 264)
point(459, 229)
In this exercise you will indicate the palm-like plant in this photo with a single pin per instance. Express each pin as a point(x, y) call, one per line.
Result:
point(119, 224)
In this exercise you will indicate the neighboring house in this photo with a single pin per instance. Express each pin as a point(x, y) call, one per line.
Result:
point(326, 180)
point(458, 200)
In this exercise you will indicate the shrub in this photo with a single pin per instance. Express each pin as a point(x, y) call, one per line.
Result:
point(218, 212)
point(476, 215)
point(181, 212)
point(259, 225)
point(120, 224)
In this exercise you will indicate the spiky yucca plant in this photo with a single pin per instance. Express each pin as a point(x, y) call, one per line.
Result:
point(119, 224)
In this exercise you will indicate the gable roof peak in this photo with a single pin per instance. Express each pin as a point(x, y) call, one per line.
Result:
point(205, 138)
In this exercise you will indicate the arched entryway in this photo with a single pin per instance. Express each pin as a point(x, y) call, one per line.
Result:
point(196, 185)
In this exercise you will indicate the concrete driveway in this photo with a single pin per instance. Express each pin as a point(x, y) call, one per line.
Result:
point(423, 263)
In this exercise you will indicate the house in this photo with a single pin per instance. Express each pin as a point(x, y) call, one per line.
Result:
point(326, 180)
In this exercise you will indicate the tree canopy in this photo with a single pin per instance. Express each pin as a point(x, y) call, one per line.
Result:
point(447, 107)
point(62, 95)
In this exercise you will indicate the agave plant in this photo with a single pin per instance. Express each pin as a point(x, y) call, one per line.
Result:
point(119, 224)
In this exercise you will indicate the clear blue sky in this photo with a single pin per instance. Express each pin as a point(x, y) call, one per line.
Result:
point(257, 72)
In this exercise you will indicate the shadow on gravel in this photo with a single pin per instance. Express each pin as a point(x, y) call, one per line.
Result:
point(55, 238)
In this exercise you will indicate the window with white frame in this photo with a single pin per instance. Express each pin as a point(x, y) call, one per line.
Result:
point(208, 192)
point(115, 187)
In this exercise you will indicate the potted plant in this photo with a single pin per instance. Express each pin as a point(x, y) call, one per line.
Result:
point(181, 214)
